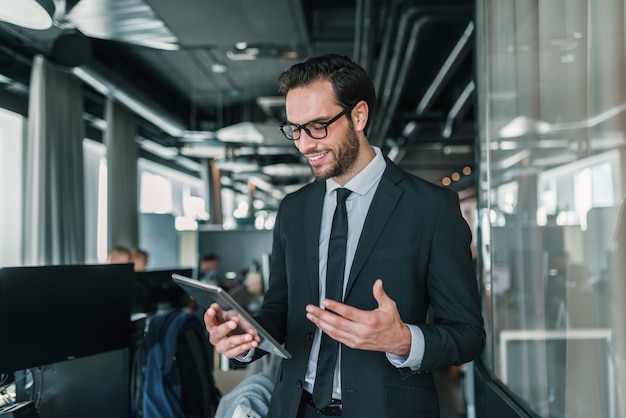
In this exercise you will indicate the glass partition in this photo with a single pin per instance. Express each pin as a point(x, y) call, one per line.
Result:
point(552, 100)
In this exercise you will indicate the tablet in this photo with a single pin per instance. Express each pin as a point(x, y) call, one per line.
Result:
point(206, 294)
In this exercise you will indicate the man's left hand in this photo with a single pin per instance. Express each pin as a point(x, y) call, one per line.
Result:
point(379, 330)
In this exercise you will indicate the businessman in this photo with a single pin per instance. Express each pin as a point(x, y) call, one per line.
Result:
point(372, 284)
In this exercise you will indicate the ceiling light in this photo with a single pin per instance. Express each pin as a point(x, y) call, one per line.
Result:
point(203, 149)
point(130, 21)
point(254, 133)
point(198, 136)
point(219, 68)
point(287, 170)
point(168, 153)
point(239, 56)
point(523, 125)
point(32, 14)
point(237, 166)
point(457, 149)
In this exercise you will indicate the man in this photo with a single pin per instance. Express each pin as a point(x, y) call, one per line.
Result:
point(209, 264)
point(410, 302)
point(207, 273)
point(119, 254)
point(140, 258)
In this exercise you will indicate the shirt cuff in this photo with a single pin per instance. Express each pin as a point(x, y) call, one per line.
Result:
point(246, 357)
point(416, 354)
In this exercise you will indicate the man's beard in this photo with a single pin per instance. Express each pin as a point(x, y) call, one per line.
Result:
point(345, 157)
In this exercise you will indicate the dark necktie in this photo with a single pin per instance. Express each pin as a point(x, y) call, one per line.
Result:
point(323, 390)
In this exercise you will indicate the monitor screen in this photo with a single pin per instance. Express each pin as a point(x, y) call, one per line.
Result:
point(55, 313)
point(154, 290)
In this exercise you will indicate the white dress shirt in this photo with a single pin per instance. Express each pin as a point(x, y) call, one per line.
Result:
point(363, 187)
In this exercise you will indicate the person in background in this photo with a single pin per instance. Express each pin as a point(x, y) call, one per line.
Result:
point(209, 264)
point(208, 269)
point(140, 258)
point(119, 254)
point(207, 273)
point(407, 298)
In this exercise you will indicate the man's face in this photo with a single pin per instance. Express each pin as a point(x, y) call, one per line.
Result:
point(335, 155)
point(119, 257)
point(140, 263)
point(208, 266)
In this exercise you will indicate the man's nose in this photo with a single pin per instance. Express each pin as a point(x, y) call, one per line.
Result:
point(305, 142)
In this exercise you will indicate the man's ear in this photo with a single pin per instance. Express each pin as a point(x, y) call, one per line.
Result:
point(360, 115)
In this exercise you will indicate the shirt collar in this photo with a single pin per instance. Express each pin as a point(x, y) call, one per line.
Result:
point(365, 179)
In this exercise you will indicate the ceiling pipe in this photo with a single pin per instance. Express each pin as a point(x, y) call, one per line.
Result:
point(458, 53)
point(458, 109)
point(105, 83)
point(402, 67)
point(402, 27)
point(364, 33)
point(391, 30)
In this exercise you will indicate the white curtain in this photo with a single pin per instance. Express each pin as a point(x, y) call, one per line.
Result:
point(122, 195)
point(54, 220)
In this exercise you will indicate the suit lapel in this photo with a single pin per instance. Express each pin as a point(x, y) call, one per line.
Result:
point(313, 222)
point(385, 200)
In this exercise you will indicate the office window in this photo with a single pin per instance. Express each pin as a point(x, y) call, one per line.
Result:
point(164, 190)
point(552, 105)
point(11, 184)
point(95, 201)
point(156, 194)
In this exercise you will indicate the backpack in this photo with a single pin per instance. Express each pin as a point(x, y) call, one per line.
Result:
point(172, 373)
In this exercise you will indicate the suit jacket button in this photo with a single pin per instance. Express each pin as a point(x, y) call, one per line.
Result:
point(299, 384)
point(309, 336)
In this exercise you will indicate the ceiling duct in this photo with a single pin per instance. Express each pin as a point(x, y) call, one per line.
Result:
point(410, 30)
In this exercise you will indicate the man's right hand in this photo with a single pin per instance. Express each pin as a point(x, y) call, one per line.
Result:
point(228, 333)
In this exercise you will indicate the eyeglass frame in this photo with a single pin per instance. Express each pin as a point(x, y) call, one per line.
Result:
point(326, 124)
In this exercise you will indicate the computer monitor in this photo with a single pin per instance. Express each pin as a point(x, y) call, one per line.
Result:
point(154, 290)
point(55, 313)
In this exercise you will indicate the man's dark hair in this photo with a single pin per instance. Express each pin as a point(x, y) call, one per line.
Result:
point(350, 81)
point(210, 257)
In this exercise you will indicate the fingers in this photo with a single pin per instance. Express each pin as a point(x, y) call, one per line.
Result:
point(332, 320)
point(357, 315)
point(212, 317)
point(225, 333)
point(378, 291)
point(385, 303)
point(233, 345)
point(380, 329)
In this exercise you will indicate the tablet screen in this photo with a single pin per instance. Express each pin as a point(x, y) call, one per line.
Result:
point(205, 294)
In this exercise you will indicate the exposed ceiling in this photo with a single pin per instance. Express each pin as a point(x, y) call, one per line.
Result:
point(207, 71)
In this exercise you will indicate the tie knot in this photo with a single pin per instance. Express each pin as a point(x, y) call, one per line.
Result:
point(342, 195)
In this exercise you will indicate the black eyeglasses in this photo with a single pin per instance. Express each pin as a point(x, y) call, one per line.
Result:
point(316, 130)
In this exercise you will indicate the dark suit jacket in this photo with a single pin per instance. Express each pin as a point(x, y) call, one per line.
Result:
point(417, 242)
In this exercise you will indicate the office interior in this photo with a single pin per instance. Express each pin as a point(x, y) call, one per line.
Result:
point(518, 106)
